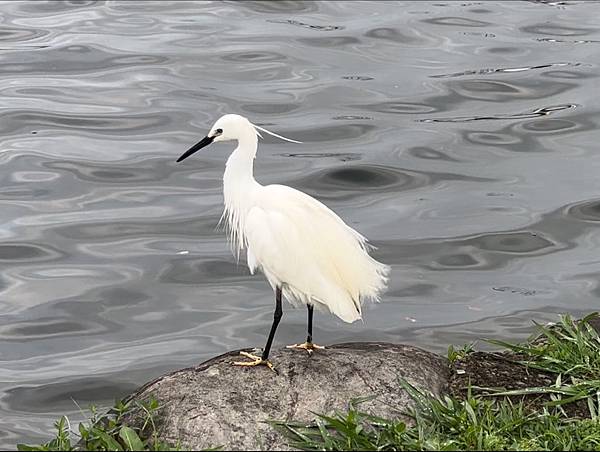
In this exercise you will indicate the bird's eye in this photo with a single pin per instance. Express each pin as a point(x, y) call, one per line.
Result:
point(219, 131)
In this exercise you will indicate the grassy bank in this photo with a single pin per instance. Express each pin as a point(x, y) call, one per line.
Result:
point(104, 432)
point(543, 394)
point(521, 415)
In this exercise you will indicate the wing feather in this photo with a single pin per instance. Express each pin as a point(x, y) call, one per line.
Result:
point(304, 246)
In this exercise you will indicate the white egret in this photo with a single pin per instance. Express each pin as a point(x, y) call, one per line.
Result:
point(307, 253)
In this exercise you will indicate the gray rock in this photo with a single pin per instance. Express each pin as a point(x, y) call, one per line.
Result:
point(218, 404)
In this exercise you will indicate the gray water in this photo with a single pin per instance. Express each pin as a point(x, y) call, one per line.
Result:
point(460, 137)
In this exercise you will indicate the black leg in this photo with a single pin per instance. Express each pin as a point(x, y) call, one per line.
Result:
point(310, 317)
point(276, 318)
point(308, 345)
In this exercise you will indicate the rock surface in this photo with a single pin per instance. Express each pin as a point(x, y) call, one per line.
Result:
point(218, 404)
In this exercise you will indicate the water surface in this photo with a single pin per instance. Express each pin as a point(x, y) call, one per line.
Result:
point(462, 138)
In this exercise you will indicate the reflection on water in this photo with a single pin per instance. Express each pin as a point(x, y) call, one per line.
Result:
point(545, 111)
point(462, 138)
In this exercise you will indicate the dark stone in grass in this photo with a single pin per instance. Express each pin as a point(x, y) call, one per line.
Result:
point(218, 404)
point(594, 322)
point(503, 371)
point(495, 370)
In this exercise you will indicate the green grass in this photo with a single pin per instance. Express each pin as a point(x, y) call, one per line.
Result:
point(107, 432)
point(569, 349)
point(455, 355)
point(447, 424)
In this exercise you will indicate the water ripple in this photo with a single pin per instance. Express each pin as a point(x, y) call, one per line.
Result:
point(56, 396)
point(404, 36)
point(330, 41)
point(508, 70)
point(555, 29)
point(17, 252)
point(505, 91)
point(363, 180)
point(544, 111)
point(282, 6)
point(572, 41)
point(15, 121)
point(306, 25)
point(456, 22)
point(68, 60)
point(588, 211)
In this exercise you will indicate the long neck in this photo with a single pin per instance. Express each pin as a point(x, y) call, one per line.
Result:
point(240, 163)
point(238, 187)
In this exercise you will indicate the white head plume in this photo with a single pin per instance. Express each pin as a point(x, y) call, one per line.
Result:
point(274, 134)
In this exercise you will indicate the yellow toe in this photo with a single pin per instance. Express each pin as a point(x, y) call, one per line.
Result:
point(308, 346)
point(256, 361)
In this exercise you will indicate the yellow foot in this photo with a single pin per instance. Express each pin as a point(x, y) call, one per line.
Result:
point(308, 346)
point(256, 361)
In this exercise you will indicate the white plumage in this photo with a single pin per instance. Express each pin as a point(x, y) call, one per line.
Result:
point(308, 250)
point(296, 241)
point(304, 249)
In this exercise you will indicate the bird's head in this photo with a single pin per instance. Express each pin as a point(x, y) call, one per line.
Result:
point(229, 127)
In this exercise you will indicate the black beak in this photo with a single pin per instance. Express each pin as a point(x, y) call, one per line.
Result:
point(202, 143)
